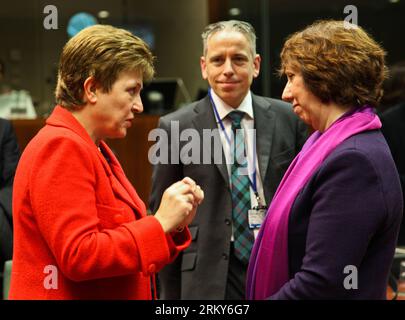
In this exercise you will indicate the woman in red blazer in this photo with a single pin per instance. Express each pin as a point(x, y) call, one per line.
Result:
point(81, 231)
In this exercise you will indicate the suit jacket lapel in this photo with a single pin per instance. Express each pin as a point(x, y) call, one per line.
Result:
point(264, 125)
point(119, 182)
point(205, 119)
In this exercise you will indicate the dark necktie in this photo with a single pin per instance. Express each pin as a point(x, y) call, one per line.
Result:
point(243, 236)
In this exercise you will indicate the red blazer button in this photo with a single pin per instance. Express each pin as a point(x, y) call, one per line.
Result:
point(118, 218)
point(152, 268)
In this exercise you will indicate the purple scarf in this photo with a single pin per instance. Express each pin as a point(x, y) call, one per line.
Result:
point(268, 265)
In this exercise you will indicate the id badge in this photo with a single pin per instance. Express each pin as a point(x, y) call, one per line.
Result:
point(256, 217)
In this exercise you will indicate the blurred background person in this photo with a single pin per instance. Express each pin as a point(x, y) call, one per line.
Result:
point(9, 155)
point(14, 104)
point(393, 124)
point(393, 88)
point(332, 227)
point(81, 230)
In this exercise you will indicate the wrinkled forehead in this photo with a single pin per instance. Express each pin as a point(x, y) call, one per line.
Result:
point(130, 77)
point(228, 41)
point(228, 35)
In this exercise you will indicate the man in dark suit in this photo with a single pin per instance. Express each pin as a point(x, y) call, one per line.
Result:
point(214, 266)
point(9, 156)
point(393, 120)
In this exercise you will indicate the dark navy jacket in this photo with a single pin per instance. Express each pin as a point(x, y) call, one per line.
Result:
point(9, 156)
point(348, 214)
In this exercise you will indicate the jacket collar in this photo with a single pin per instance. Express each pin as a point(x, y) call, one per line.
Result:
point(61, 117)
point(264, 122)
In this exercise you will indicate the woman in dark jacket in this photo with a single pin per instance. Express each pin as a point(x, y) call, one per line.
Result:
point(331, 229)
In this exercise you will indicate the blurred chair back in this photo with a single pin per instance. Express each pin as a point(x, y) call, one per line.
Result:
point(6, 279)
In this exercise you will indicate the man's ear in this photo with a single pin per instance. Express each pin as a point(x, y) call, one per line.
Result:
point(203, 66)
point(256, 65)
point(89, 87)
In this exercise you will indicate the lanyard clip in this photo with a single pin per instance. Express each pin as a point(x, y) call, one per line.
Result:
point(259, 201)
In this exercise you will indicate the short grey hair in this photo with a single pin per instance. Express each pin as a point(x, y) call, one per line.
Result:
point(230, 25)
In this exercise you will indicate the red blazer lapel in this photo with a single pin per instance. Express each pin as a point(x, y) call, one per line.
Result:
point(120, 183)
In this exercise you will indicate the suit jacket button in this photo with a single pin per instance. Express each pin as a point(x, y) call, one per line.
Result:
point(225, 256)
point(118, 218)
point(152, 268)
point(227, 222)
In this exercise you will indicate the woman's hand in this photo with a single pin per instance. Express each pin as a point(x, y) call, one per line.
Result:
point(198, 198)
point(178, 205)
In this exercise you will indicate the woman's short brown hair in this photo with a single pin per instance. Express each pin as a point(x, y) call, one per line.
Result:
point(103, 52)
point(339, 62)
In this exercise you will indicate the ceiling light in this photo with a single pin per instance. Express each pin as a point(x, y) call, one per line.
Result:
point(234, 12)
point(103, 14)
